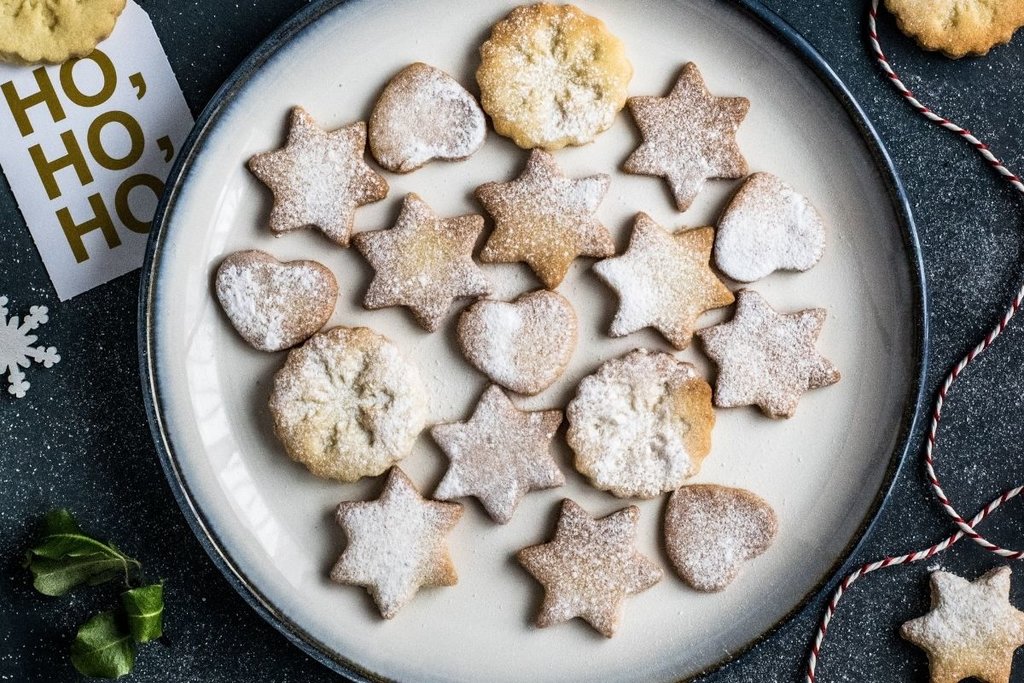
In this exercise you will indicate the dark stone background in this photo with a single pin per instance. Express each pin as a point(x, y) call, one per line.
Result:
point(81, 440)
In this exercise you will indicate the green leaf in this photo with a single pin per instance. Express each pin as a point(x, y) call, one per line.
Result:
point(145, 610)
point(64, 557)
point(103, 648)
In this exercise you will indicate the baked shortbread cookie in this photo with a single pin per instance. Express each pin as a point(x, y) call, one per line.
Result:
point(524, 345)
point(958, 27)
point(318, 178)
point(499, 455)
point(545, 219)
point(768, 226)
point(347, 405)
point(54, 31)
point(551, 76)
point(766, 358)
point(424, 114)
point(424, 262)
point(396, 544)
point(711, 530)
point(688, 136)
point(972, 629)
point(641, 425)
point(663, 281)
point(589, 568)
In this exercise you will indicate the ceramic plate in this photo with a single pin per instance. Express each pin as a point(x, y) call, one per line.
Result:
point(268, 523)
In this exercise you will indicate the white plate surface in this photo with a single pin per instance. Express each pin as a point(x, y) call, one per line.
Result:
point(821, 470)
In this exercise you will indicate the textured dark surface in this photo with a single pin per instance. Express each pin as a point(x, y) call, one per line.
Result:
point(80, 439)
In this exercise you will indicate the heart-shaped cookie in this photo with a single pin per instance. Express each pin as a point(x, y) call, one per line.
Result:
point(711, 530)
point(524, 345)
point(275, 305)
point(768, 226)
point(424, 114)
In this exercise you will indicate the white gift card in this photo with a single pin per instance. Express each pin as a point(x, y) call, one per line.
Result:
point(87, 146)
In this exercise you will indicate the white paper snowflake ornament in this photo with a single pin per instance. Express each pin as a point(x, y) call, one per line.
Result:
point(16, 346)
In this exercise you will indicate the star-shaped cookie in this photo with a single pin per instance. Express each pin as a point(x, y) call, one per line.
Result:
point(396, 544)
point(689, 136)
point(663, 281)
point(318, 178)
point(499, 455)
point(424, 262)
point(589, 567)
point(972, 629)
point(766, 358)
point(545, 219)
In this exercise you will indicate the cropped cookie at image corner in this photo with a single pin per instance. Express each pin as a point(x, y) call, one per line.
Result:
point(53, 32)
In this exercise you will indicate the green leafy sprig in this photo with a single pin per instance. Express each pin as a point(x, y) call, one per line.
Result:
point(65, 557)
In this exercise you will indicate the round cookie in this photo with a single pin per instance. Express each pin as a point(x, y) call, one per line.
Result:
point(424, 114)
point(641, 425)
point(347, 405)
point(551, 76)
point(51, 31)
point(958, 27)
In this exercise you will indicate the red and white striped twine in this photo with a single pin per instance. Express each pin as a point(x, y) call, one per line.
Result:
point(965, 528)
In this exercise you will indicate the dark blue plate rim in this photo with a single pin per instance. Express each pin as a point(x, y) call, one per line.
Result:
point(148, 355)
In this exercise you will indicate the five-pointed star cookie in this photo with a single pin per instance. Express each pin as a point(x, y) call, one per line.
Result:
point(318, 178)
point(972, 629)
point(766, 358)
point(545, 219)
point(689, 136)
point(424, 262)
point(396, 544)
point(589, 567)
point(663, 281)
point(499, 455)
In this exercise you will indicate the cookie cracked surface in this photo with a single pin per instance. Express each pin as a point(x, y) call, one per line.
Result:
point(53, 31)
point(318, 178)
point(958, 27)
point(545, 219)
point(551, 76)
point(589, 567)
point(663, 281)
point(396, 544)
point(499, 455)
point(689, 136)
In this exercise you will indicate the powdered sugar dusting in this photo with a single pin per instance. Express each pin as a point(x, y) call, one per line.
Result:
point(641, 424)
point(768, 226)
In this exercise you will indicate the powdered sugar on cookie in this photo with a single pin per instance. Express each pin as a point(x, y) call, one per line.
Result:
point(768, 226)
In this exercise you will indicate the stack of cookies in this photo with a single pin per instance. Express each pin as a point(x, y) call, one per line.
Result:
point(347, 404)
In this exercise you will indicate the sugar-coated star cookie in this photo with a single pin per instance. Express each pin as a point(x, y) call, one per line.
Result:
point(768, 226)
point(711, 530)
point(972, 629)
point(545, 219)
point(424, 114)
point(499, 455)
point(958, 27)
point(689, 136)
point(589, 567)
point(551, 76)
point(396, 544)
point(663, 281)
point(766, 358)
point(641, 425)
point(274, 305)
point(318, 178)
point(424, 262)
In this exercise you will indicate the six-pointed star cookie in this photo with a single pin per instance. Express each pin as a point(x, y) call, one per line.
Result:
point(689, 136)
point(663, 281)
point(972, 629)
point(589, 567)
point(318, 178)
point(766, 358)
point(499, 455)
point(396, 544)
point(545, 219)
point(424, 262)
